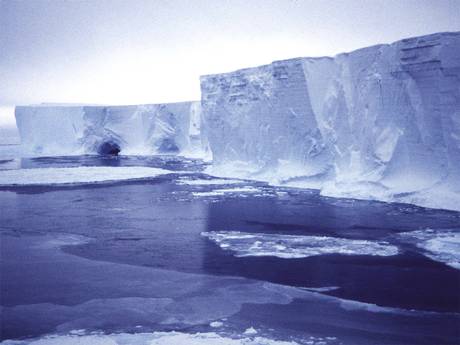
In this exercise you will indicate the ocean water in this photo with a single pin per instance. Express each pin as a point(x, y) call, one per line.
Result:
point(177, 256)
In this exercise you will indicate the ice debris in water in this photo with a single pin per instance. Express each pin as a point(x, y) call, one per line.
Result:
point(295, 246)
point(250, 331)
point(210, 182)
point(220, 192)
point(439, 245)
point(216, 324)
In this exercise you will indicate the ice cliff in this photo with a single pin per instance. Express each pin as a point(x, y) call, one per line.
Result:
point(381, 122)
point(139, 129)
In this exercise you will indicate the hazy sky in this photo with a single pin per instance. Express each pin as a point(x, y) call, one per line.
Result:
point(147, 51)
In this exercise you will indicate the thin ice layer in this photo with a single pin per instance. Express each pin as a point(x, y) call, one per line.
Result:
point(293, 247)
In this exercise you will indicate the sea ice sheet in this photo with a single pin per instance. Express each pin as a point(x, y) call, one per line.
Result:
point(293, 246)
point(59, 176)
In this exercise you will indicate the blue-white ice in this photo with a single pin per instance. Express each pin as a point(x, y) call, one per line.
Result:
point(173, 128)
point(293, 246)
point(379, 123)
point(439, 245)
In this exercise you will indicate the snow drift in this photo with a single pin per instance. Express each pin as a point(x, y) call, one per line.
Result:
point(138, 129)
point(381, 122)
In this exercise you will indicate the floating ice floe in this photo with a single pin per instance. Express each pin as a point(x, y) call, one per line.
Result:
point(210, 182)
point(294, 246)
point(58, 176)
point(321, 289)
point(220, 192)
point(250, 331)
point(216, 324)
point(438, 245)
point(155, 338)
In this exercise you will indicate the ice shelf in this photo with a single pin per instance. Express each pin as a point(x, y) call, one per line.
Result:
point(381, 122)
point(136, 129)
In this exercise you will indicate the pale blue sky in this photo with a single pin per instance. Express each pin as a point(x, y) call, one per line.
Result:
point(147, 51)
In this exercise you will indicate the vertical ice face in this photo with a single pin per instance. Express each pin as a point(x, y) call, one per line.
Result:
point(198, 145)
point(261, 115)
point(136, 129)
point(430, 70)
point(50, 129)
point(379, 122)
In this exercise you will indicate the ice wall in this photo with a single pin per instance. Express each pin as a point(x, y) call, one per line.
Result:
point(378, 123)
point(381, 122)
point(139, 129)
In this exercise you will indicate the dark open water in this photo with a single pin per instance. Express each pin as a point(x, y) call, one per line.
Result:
point(130, 257)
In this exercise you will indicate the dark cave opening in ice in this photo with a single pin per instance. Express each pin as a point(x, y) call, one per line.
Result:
point(109, 148)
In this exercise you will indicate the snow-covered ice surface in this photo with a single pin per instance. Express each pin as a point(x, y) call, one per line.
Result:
point(291, 247)
point(377, 123)
point(440, 245)
point(76, 175)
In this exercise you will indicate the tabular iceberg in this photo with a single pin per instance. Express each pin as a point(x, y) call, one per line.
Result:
point(381, 122)
point(138, 129)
